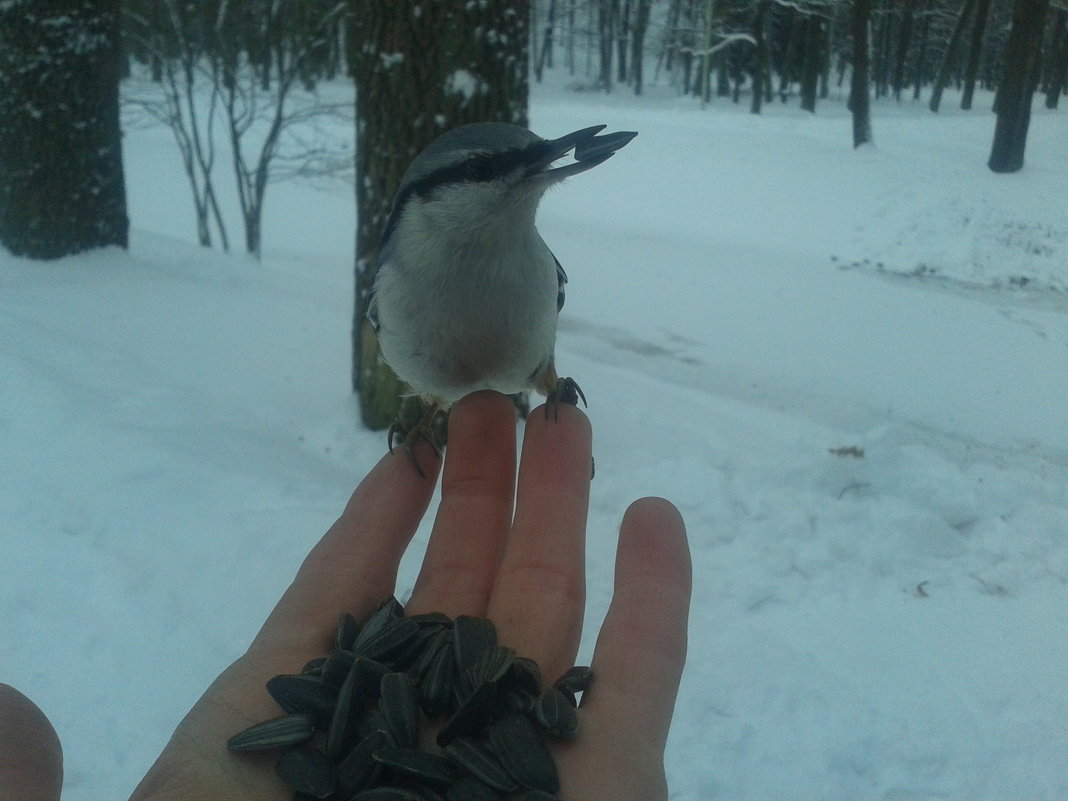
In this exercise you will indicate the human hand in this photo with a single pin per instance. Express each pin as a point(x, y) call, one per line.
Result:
point(513, 555)
point(31, 760)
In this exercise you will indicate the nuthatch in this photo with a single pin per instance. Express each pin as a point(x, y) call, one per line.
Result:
point(467, 294)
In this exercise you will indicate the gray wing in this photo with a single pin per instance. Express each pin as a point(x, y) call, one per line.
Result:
point(561, 279)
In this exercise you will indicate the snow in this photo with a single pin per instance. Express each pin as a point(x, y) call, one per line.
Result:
point(750, 302)
point(464, 82)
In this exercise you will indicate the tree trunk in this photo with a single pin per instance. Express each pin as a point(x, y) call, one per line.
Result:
point(1017, 85)
point(794, 30)
point(760, 56)
point(982, 11)
point(545, 54)
point(904, 38)
point(920, 73)
point(859, 96)
point(637, 57)
point(61, 178)
point(418, 75)
point(1058, 72)
point(951, 54)
point(622, 37)
point(606, 27)
point(810, 73)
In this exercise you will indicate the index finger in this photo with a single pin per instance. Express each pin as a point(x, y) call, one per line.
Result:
point(354, 566)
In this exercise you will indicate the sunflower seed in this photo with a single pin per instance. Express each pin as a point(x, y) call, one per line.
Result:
point(337, 667)
point(417, 764)
point(575, 680)
point(349, 705)
point(313, 667)
point(471, 789)
point(556, 713)
point(347, 631)
point(399, 705)
point(523, 753)
point(371, 721)
point(492, 665)
point(358, 770)
point(405, 656)
point(390, 609)
point(421, 664)
point(304, 694)
point(471, 716)
point(431, 619)
point(480, 763)
point(424, 792)
point(386, 794)
point(277, 733)
point(436, 687)
point(471, 636)
point(308, 771)
point(392, 637)
point(525, 675)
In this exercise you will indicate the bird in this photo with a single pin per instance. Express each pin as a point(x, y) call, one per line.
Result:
point(466, 294)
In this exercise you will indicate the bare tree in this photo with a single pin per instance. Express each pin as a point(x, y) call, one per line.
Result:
point(177, 61)
point(230, 65)
point(253, 112)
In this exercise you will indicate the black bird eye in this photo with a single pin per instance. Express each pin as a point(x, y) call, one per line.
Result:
point(479, 168)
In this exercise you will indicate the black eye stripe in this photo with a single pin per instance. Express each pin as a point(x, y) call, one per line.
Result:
point(477, 168)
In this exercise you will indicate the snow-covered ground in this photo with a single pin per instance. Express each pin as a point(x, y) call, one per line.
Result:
point(849, 370)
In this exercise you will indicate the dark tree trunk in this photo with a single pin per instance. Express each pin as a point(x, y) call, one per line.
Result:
point(760, 56)
point(794, 30)
point(920, 73)
point(951, 54)
point(438, 74)
point(904, 38)
point(879, 44)
point(810, 71)
point(61, 179)
point(637, 56)
point(607, 11)
point(622, 36)
point(1017, 85)
point(1058, 71)
point(859, 96)
point(971, 70)
point(545, 54)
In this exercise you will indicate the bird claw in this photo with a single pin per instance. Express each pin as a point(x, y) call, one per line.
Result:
point(567, 391)
point(429, 428)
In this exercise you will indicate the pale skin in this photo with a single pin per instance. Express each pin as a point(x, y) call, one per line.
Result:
point(513, 554)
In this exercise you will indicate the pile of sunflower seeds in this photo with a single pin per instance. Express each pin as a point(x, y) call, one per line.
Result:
point(355, 719)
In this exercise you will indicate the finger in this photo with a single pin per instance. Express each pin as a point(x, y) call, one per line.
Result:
point(31, 759)
point(477, 489)
point(640, 653)
point(539, 597)
point(354, 566)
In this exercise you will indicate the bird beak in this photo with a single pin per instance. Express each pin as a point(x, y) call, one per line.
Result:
point(590, 150)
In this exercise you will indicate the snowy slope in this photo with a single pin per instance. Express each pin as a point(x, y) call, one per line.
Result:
point(746, 295)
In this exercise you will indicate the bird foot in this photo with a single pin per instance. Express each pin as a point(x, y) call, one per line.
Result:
point(567, 391)
point(431, 428)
